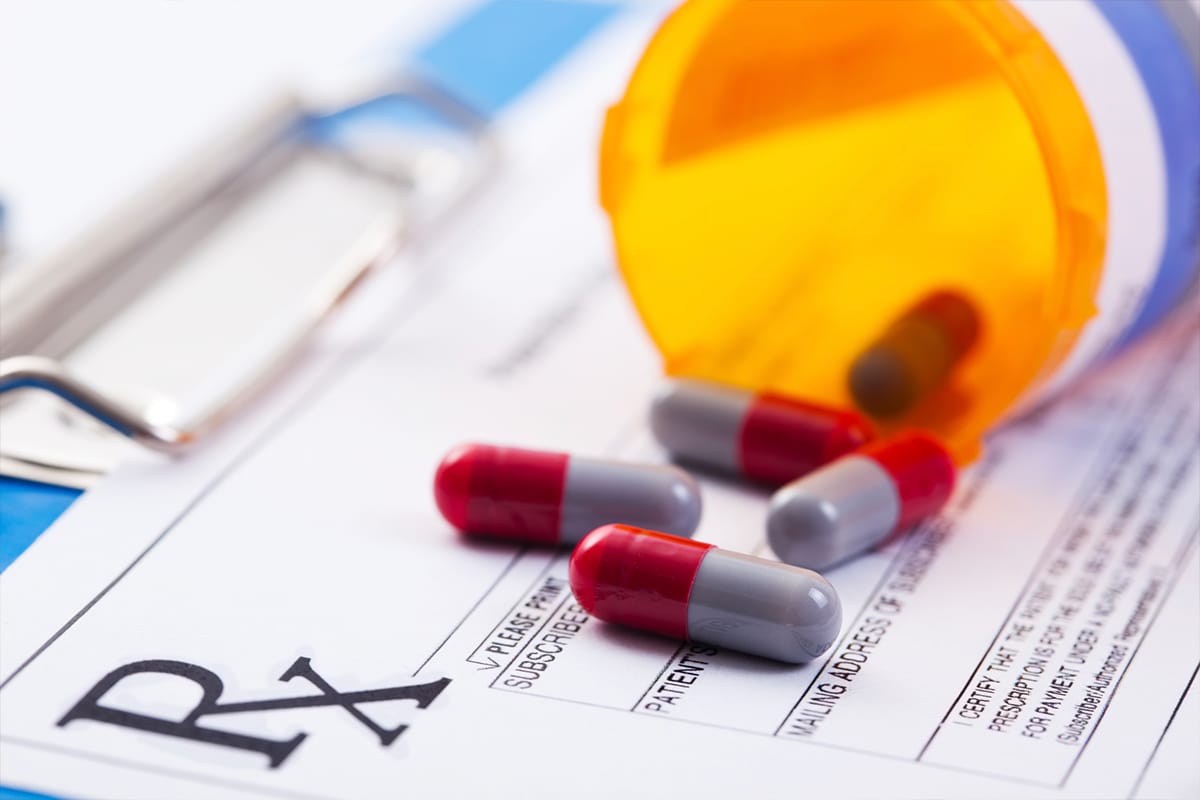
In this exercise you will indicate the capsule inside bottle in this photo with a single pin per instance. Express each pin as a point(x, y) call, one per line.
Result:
point(915, 355)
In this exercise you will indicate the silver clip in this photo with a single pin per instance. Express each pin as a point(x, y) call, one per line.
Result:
point(136, 324)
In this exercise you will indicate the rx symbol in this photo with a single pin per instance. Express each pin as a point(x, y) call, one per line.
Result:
point(211, 687)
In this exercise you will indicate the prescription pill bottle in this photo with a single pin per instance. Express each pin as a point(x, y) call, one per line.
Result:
point(785, 178)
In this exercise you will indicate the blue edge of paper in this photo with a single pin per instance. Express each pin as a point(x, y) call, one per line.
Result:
point(489, 56)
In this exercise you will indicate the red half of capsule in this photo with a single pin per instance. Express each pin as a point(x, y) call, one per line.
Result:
point(955, 317)
point(783, 439)
point(922, 471)
point(636, 577)
point(503, 491)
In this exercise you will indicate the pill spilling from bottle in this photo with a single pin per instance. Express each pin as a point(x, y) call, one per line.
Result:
point(766, 438)
point(915, 355)
point(556, 498)
point(691, 590)
point(861, 501)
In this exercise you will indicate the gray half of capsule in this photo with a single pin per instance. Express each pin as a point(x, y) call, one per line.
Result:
point(762, 607)
point(700, 422)
point(833, 514)
point(597, 492)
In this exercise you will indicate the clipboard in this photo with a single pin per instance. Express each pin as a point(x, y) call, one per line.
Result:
point(179, 276)
point(159, 323)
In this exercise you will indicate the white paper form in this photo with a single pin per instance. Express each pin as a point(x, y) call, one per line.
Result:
point(286, 615)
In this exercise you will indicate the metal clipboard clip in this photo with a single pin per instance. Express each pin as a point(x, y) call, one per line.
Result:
point(160, 322)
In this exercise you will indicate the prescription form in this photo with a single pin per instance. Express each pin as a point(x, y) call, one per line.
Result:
point(285, 614)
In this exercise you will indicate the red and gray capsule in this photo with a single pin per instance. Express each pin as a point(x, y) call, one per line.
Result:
point(691, 590)
point(915, 355)
point(765, 437)
point(861, 501)
point(555, 498)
